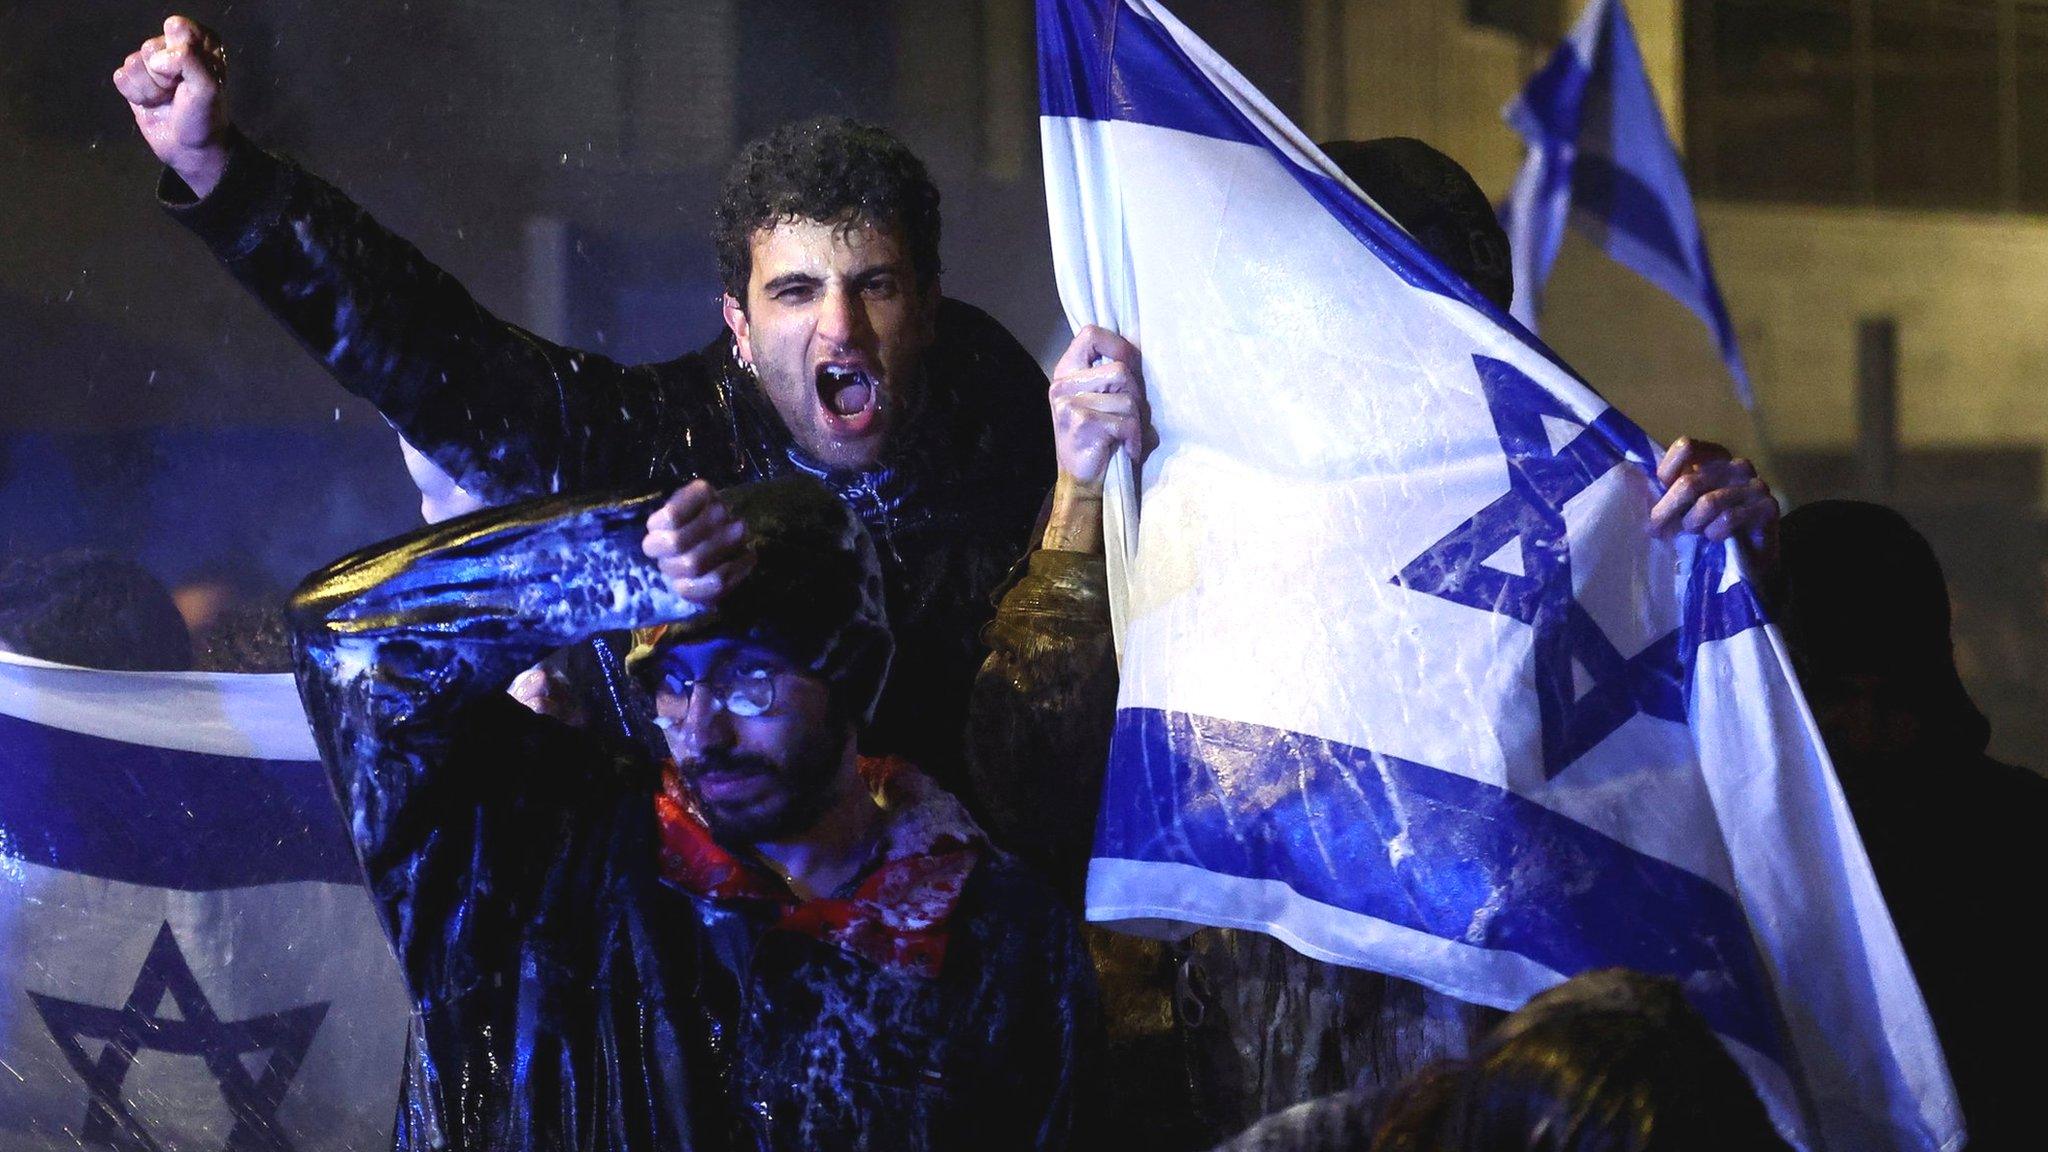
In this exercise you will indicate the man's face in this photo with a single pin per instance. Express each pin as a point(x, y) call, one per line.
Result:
point(755, 738)
point(835, 325)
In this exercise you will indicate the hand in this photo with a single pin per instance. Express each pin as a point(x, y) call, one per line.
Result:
point(173, 85)
point(1719, 496)
point(1097, 400)
point(544, 692)
point(441, 498)
point(700, 546)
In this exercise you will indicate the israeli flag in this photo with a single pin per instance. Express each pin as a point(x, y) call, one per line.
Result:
point(1600, 159)
point(1407, 683)
point(188, 957)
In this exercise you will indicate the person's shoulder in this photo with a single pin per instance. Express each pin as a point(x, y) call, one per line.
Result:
point(2020, 779)
point(996, 391)
point(969, 339)
point(1013, 936)
point(1005, 888)
point(1341, 1121)
point(2019, 793)
point(692, 418)
point(701, 366)
point(1003, 872)
point(959, 318)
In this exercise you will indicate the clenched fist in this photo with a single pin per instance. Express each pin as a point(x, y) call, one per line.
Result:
point(173, 85)
point(699, 545)
point(1098, 406)
point(1097, 398)
point(1712, 492)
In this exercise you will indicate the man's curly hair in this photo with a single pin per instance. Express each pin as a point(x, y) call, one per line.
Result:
point(829, 169)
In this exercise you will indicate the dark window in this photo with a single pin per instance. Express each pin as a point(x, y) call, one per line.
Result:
point(1541, 21)
point(2031, 92)
point(1934, 100)
point(1896, 103)
point(1768, 81)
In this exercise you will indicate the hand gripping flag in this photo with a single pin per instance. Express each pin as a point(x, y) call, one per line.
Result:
point(1407, 683)
point(1599, 157)
point(188, 958)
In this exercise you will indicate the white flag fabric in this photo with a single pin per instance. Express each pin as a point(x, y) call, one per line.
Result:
point(188, 957)
point(1407, 683)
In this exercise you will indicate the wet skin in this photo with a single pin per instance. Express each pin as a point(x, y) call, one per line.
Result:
point(754, 777)
point(835, 325)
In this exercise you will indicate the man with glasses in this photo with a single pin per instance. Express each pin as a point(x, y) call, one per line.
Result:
point(764, 940)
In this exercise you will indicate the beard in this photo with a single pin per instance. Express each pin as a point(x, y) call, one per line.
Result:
point(789, 796)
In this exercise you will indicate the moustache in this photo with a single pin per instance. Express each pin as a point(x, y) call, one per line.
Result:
point(727, 763)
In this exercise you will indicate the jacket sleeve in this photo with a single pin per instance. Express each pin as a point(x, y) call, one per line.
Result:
point(505, 413)
point(1042, 714)
point(459, 800)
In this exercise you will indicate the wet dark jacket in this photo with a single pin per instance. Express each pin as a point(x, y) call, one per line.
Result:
point(509, 415)
point(1211, 1033)
point(565, 995)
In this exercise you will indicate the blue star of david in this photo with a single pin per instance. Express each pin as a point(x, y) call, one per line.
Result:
point(136, 1026)
point(1585, 688)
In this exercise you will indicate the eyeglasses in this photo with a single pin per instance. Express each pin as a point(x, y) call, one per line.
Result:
point(742, 688)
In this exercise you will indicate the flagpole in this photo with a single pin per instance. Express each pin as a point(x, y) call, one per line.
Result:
point(1767, 452)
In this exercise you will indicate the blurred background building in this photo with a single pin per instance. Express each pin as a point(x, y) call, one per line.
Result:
point(1873, 177)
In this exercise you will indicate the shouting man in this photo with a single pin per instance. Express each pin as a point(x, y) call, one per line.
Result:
point(840, 359)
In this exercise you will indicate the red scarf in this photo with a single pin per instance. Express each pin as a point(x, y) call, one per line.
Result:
point(899, 914)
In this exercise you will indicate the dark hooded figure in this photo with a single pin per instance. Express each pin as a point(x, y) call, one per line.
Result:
point(1954, 836)
point(840, 358)
point(763, 941)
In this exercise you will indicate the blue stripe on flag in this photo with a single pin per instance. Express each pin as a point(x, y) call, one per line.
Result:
point(1149, 81)
point(1619, 199)
point(163, 817)
point(1712, 614)
point(1477, 864)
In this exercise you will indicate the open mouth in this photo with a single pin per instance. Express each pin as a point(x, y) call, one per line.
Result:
point(849, 396)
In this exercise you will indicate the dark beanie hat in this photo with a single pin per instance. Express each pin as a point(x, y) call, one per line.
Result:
point(815, 593)
point(1438, 202)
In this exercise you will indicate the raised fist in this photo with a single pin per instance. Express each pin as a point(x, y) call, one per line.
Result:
point(699, 545)
point(173, 85)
